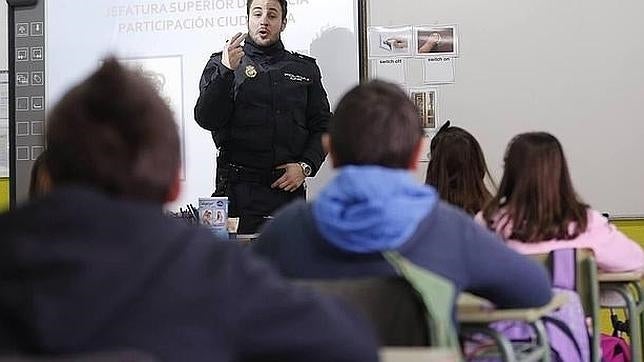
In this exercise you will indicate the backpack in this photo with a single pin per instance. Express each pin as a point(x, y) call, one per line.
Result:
point(614, 349)
point(567, 331)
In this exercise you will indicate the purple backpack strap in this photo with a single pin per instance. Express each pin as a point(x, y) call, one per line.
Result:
point(564, 263)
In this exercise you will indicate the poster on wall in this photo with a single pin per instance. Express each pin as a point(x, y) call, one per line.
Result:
point(426, 101)
point(436, 40)
point(390, 41)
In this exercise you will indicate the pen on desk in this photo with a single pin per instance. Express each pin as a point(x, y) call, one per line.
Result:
point(195, 212)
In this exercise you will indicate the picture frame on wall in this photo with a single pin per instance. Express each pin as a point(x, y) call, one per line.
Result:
point(435, 40)
point(390, 41)
point(426, 101)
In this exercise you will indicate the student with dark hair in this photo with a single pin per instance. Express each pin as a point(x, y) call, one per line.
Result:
point(375, 205)
point(457, 169)
point(537, 210)
point(95, 265)
point(40, 181)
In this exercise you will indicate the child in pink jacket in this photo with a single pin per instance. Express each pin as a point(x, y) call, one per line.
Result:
point(536, 209)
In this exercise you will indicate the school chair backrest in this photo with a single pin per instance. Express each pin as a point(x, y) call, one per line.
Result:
point(438, 294)
point(396, 311)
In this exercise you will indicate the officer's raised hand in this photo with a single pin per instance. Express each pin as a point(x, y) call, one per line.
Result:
point(233, 51)
point(292, 178)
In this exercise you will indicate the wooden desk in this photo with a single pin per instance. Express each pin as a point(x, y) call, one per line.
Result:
point(628, 286)
point(418, 354)
point(620, 277)
point(475, 314)
point(472, 309)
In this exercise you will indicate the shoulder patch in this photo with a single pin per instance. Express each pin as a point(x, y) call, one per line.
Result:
point(304, 57)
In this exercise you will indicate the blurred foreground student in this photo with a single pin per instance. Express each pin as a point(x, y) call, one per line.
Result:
point(374, 204)
point(537, 209)
point(457, 169)
point(40, 181)
point(95, 265)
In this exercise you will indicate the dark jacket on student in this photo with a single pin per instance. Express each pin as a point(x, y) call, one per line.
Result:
point(270, 111)
point(365, 210)
point(81, 272)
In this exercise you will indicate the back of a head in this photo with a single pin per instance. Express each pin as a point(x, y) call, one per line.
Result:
point(457, 169)
point(536, 192)
point(40, 181)
point(375, 124)
point(114, 133)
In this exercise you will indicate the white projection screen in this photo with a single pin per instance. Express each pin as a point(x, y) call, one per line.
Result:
point(171, 40)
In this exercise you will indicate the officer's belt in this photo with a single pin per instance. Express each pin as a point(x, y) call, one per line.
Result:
point(239, 173)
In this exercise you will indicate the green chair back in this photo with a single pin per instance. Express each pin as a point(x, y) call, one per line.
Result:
point(438, 295)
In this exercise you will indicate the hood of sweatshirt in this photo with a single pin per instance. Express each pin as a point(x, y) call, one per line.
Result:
point(368, 209)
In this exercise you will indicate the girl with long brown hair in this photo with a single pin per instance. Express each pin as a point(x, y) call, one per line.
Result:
point(457, 169)
point(537, 210)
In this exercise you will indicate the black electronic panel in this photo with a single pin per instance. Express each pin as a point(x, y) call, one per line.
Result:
point(22, 3)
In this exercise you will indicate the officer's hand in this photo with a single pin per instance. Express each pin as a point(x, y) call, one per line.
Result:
point(292, 179)
point(233, 52)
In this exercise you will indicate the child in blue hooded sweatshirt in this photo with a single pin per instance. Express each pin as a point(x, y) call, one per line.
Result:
point(374, 204)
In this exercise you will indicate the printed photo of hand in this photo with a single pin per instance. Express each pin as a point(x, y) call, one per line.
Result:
point(437, 40)
point(388, 41)
point(397, 42)
point(429, 43)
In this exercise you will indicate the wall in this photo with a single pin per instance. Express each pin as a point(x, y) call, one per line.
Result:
point(532, 65)
point(4, 63)
point(4, 194)
point(633, 228)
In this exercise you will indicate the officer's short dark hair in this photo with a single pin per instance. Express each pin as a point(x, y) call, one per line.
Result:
point(113, 132)
point(282, 4)
point(375, 124)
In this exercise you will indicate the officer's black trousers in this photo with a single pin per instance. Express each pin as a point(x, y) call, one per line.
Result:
point(254, 203)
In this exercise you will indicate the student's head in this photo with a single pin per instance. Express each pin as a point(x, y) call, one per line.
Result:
point(375, 124)
point(266, 20)
point(114, 133)
point(40, 181)
point(536, 192)
point(457, 169)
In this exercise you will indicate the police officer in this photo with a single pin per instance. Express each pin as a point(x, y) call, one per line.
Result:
point(267, 110)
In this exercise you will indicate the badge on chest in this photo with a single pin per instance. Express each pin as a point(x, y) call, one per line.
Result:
point(250, 71)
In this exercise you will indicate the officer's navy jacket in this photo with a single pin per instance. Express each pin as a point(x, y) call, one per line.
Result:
point(271, 110)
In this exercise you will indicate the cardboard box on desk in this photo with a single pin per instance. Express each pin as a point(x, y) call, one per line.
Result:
point(213, 214)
